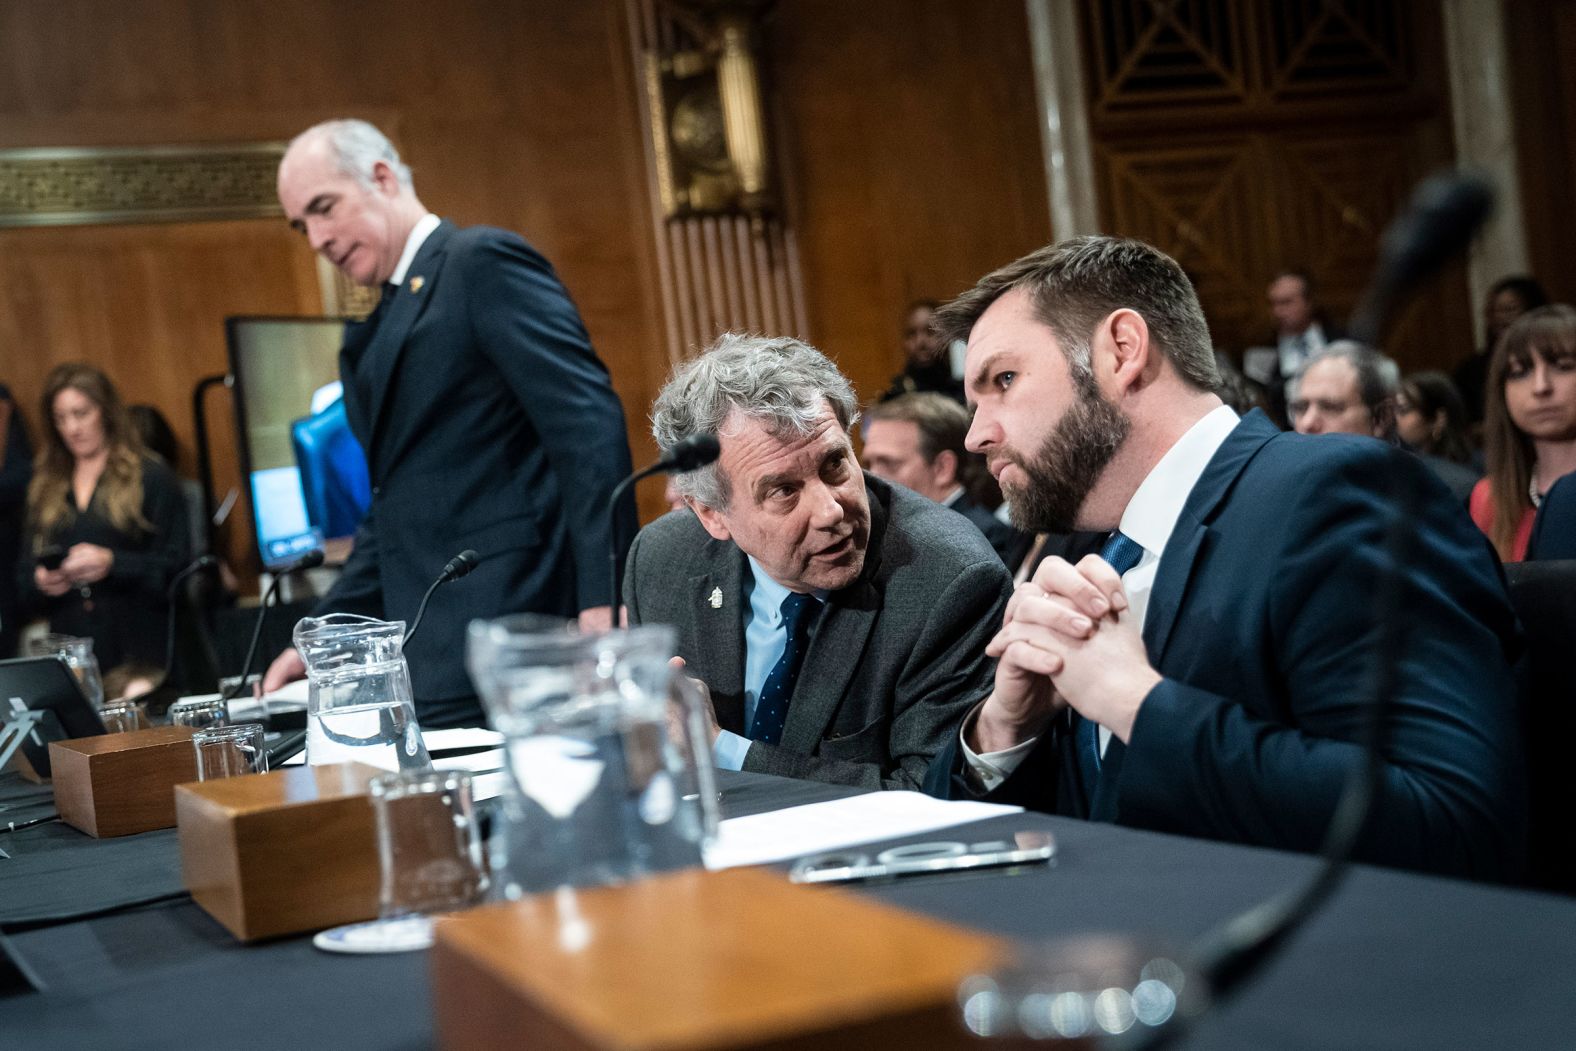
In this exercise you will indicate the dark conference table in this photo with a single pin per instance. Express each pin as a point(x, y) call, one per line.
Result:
point(1397, 961)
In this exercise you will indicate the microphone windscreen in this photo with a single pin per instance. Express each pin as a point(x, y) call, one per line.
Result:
point(310, 560)
point(462, 564)
point(697, 450)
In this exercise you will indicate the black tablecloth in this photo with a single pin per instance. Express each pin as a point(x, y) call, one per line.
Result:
point(1398, 961)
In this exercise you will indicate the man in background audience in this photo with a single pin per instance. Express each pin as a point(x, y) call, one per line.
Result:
point(1346, 388)
point(917, 440)
point(1208, 673)
point(927, 361)
point(1301, 331)
point(838, 622)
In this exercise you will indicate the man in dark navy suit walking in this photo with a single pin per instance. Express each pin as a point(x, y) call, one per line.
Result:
point(487, 419)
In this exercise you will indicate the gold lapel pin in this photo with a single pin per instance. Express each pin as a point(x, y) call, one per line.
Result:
point(417, 282)
point(715, 598)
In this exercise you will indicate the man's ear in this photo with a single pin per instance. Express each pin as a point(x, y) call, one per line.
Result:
point(384, 179)
point(944, 469)
point(710, 518)
point(1124, 335)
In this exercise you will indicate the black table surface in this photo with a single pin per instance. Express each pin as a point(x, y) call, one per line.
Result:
point(1396, 961)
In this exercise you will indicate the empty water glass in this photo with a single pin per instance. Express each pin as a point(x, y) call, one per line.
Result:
point(122, 716)
point(230, 751)
point(429, 845)
point(200, 713)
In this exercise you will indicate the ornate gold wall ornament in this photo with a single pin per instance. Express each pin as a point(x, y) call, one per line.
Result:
point(75, 186)
point(708, 120)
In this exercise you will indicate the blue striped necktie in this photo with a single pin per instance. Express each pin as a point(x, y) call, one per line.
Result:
point(1123, 553)
point(771, 707)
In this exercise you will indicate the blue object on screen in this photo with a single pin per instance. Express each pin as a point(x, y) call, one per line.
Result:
point(334, 476)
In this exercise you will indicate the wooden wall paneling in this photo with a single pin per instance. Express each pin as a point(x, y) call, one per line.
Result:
point(912, 144)
point(1540, 38)
point(1244, 136)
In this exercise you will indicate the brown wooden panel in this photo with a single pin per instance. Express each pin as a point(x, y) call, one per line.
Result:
point(912, 134)
point(1540, 39)
point(1245, 136)
point(520, 115)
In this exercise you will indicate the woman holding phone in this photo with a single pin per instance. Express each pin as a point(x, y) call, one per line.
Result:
point(106, 524)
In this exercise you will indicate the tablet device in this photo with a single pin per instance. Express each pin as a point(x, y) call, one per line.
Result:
point(45, 684)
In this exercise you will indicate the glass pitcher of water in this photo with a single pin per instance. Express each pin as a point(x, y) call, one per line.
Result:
point(359, 706)
point(608, 751)
point(78, 655)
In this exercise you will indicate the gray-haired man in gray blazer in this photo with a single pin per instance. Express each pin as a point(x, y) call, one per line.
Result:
point(838, 622)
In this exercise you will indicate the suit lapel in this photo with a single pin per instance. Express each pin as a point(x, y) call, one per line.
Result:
point(1192, 536)
point(383, 353)
point(836, 646)
point(718, 632)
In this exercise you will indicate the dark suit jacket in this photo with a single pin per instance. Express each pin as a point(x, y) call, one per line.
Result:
point(1260, 621)
point(1554, 530)
point(1004, 539)
point(895, 658)
point(489, 423)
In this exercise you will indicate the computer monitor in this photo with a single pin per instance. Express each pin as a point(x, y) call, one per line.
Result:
point(46, 685)
point(306, 473)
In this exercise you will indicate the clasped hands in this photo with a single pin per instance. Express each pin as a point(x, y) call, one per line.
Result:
point(1068, 639)
point(83, 564)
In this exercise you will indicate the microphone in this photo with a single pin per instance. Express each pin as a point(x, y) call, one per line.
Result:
point(457, 567)
point(310, 560)
point(197, 565)
point(686, 455)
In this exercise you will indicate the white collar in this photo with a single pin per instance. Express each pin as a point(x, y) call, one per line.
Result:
point(418, 237)
point(953, 497)
point(1152, 513)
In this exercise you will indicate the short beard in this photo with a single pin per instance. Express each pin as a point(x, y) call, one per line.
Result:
point(1069, 462)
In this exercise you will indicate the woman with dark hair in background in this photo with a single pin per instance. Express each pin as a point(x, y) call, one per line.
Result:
point(1431, 420)
point(1530, 426)
point(106, 523)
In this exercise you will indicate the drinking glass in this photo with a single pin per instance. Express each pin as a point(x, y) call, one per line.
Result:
point(200, 714)
point(78, 655)
point(122, 716)
point(230, 751)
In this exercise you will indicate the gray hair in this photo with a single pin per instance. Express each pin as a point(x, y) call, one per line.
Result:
point(356, 146)
point(1378, 376)
point(781, 381)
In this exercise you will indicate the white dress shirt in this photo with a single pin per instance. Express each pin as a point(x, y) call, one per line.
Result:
point(418, 237)
point(1149, 519)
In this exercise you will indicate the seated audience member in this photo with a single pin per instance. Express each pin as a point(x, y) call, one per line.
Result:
point(1207, 673)
point(1346, 388)
point(1554, 529)
point(16, 468)
point(917, 440)
point(1507, 299)
point(106, 524)
point(1430, 420)
point(1529, 429)
point(926, 364)
point(838, 622)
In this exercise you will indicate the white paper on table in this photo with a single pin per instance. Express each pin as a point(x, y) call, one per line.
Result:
point(838, 824)
point(462, 737)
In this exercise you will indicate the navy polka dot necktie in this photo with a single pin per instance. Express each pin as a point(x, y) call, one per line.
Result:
point(771, 707)
point(1123, 553)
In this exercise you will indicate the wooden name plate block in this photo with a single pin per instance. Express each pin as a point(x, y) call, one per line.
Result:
point(694, 959)
point(283, 852)
point(122, 784)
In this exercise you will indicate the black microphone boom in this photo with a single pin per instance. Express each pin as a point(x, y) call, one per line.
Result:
point(310, 560)
point(688, 454)
point(454, 569)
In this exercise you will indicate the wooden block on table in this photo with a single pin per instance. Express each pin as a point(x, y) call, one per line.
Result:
point(694, 959)
point(284, 852)
point(121, 784)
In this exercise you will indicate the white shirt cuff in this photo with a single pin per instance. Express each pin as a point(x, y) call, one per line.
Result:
point(729, 750)
point(986, 772)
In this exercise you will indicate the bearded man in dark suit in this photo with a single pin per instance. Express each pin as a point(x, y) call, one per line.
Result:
point(1208, 673)
point(487, 419)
